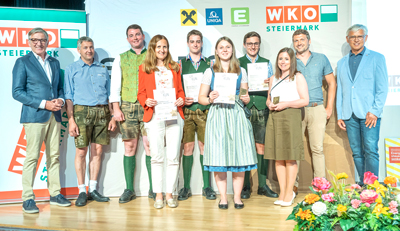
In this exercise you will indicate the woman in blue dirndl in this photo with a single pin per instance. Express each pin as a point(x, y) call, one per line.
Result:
point(229, 141)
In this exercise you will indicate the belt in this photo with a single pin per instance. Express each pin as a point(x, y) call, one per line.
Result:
point(315, 104)
point(100, 105)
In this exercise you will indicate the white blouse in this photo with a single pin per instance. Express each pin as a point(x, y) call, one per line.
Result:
point(164, 78)
point(208, 74)
point(286, 90)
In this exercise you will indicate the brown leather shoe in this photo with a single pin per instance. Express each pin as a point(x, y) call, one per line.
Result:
point(295, 190)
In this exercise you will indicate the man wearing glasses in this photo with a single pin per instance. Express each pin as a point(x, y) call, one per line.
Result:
point(259, 116)
point(37, 85)
point(315, 67)
point(362, 89)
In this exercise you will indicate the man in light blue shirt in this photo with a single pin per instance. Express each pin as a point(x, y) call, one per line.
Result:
point(87, 88)
point(315, 67)
point(362, 90)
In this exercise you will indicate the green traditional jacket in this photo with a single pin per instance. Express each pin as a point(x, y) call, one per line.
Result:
point(188, 68)
point(257, 98)
point(130, 62)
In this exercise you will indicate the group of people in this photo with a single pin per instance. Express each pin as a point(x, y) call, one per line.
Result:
point(259, 126)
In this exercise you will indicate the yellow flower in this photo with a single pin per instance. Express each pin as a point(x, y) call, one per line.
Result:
point(379, 188)
point(342, 176)
point(342, 208)
point(390, 180)
point(379, 200)
point(379, 209)
point(304, 215)
point(348, 189)
point(312, 198)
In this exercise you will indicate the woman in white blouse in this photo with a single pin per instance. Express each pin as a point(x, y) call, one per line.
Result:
point(159, 71)
point(283, 139)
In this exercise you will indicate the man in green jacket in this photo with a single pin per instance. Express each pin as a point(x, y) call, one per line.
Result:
point(259, 115)
point(124, 89)
point(192, 69)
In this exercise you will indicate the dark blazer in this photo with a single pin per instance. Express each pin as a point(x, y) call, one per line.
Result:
point(30, 86)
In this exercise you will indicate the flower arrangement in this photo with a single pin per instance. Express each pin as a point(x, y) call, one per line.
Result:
point(336, 205)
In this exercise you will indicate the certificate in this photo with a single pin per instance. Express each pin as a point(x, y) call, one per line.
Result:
point(257, 73)
point(192, 84)
point(225, 85)
point(165, 108)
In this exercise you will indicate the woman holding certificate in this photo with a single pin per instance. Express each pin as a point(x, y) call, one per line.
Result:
point(162, 97)
point(229, 142)
point(284, 139)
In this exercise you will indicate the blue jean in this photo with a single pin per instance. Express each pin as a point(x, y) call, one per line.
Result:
point(364, 145)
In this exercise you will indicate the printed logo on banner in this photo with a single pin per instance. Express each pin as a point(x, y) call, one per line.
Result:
point(18, 37)
point(214, 16)
point(300, 14)
point(189, 17)
point(394, 154)
point(240, 16)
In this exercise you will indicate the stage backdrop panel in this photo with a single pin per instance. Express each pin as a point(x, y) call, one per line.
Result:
point(64, 29)
point(274, 20)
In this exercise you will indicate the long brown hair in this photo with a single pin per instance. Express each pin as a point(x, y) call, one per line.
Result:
point(234, 66)
point(293, 63)
point(150, 62)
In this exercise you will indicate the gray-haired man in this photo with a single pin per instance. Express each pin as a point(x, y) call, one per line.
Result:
point(37, 85)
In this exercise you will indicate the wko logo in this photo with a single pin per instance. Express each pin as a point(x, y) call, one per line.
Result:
point(291, 14)
point(17, 161)
point(18, 37)
point(300, 14)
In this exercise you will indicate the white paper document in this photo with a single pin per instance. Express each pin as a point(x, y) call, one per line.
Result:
point(257, 73)
point(165, 108)
point(192, 84)
point(225, 85)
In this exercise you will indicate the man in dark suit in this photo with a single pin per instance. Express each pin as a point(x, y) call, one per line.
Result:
point(37, 85)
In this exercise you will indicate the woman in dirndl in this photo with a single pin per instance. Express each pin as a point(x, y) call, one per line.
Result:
point(284, 140)
point(229, 142)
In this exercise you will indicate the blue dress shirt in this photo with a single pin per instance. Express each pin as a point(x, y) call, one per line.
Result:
point(314, 71)
point(87, 85)
point(354, 62)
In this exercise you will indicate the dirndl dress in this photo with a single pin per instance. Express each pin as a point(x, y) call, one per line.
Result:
point(229, 141)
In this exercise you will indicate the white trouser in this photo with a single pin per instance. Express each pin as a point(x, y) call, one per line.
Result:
point(170, 133)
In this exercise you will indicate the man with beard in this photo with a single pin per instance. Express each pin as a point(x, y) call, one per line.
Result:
point(314, 66)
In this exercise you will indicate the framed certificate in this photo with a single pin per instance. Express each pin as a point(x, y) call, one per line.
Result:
point(257, 73)
point(192, 84)
point(225, 85)
point(165, 108)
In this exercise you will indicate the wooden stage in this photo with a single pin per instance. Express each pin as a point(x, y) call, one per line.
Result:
point(196, 213)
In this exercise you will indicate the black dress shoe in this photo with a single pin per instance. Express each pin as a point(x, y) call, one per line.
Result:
point(239, 206)
point(127, 196)
point(82, 199)
point(209, 193)
point(222, 206)
point(266, 191)
point(245, 193)
point(97, 197)
point(184, 194)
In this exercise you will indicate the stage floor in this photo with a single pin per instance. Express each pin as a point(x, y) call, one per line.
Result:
point(196, 213)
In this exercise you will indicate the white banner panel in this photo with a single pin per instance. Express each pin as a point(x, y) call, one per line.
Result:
point(274, 20)
point(15, 25)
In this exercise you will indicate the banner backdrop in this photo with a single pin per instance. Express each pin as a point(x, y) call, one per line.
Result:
point(274, 20)
point(64, 29)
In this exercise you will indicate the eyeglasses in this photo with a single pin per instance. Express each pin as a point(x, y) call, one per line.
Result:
point(352, 38)
point(253, 44)
point(38, 40)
